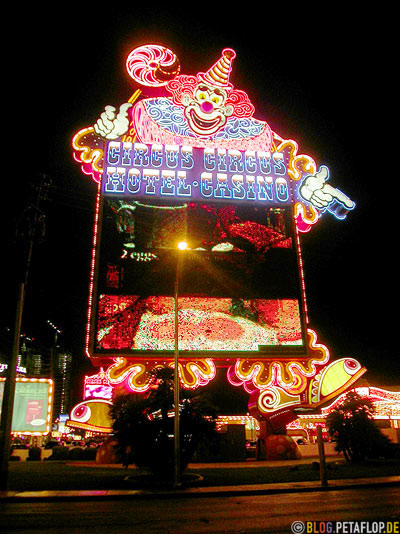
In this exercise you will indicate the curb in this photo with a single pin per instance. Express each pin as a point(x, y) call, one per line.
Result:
point(217, 491)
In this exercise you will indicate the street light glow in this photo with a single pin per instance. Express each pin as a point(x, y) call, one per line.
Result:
point(182, 245)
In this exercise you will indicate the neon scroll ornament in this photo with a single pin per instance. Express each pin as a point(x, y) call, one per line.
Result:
point(135, 377)
point(202, 111)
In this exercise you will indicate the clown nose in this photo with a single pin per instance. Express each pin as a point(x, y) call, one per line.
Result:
point(207, 107)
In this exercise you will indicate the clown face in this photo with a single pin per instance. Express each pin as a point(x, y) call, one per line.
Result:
point(206, 111)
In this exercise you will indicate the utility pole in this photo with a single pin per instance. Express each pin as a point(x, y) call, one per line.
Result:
point(8, 397)
point(9, 386)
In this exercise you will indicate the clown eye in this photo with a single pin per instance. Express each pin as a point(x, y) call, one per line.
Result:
point(201, 95)
point(216, 99)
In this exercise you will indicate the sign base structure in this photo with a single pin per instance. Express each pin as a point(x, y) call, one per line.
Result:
point(184, 159)
point(279, 388)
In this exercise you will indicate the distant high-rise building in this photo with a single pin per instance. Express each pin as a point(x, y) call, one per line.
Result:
point(35, 364)
point(62, 382)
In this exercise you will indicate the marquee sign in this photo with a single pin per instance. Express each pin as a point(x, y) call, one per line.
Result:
point(137, 170)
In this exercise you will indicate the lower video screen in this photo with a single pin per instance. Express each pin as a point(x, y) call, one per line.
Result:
point(134, 323)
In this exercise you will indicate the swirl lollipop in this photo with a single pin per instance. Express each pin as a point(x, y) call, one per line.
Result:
point(152, 65)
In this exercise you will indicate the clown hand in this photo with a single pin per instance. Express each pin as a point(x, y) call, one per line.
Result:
point(111, 126)
point(320, 194)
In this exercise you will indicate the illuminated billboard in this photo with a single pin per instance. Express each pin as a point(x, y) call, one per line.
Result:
point(32, 405)
point(184, 158)
point(97, 386)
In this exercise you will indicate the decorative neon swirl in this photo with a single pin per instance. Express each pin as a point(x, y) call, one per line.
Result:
point(196, 373)
point(299, 165)
point(89, 150)
point(291, 376)
point(133, 376)
point(273, 398)
point(136, 377)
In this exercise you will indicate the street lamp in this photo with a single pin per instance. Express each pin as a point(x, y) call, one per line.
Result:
point(182, 245)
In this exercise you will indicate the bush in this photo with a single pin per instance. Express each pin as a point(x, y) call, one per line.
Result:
point(89, 454)
point(75, 453)
point(352, 425)
point(143, 425)
point(59, 453)
point(34, 454)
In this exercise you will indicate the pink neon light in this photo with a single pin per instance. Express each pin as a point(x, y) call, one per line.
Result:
point(301, 270)
point(152, 65)
point(92, 269)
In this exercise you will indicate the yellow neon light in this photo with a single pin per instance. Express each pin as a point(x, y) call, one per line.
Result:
point(136, 376)
point(290, 376)
point(88, 154)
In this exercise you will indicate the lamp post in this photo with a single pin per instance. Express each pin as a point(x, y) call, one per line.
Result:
point(181, 246)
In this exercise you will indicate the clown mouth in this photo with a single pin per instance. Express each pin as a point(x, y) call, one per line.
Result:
point(205, 124)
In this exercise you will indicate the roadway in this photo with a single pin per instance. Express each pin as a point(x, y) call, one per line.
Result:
point(195, 513)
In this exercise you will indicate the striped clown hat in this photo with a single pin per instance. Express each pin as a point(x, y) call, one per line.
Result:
point(219, 73)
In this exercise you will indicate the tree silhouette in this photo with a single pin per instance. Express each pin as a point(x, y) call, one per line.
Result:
point(355, 431)
point(143, 425)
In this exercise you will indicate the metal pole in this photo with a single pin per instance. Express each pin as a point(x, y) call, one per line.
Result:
point(9, 392)
point(176, 379)
point(321, 453)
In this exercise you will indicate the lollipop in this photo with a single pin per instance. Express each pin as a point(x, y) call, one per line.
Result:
point(152, 65)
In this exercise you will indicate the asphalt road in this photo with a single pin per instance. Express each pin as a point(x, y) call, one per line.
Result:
point(233, 515)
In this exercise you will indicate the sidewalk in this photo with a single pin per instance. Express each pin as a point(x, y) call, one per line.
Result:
point(197, 491)
point(259, 489)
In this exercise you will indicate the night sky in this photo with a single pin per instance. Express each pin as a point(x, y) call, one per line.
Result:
point(324, 78)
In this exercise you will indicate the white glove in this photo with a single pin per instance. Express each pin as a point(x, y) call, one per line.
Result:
point(111, 126)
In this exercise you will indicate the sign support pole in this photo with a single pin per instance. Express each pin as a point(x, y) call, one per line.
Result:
point(321, 453)
point(176, 380)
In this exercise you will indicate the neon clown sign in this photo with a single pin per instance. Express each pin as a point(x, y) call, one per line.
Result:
point(189, 146)
point(154, 145)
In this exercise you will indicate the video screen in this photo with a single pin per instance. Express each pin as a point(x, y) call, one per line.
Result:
point(238, 281)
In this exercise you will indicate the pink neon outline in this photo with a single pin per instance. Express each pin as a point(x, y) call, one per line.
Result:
point(92, 269)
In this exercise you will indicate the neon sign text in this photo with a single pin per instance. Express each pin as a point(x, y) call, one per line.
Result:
point(190, 173)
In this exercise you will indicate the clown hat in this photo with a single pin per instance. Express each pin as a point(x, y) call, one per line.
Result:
point(219, 73)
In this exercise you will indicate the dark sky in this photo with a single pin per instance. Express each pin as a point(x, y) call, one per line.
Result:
point(323, 77)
